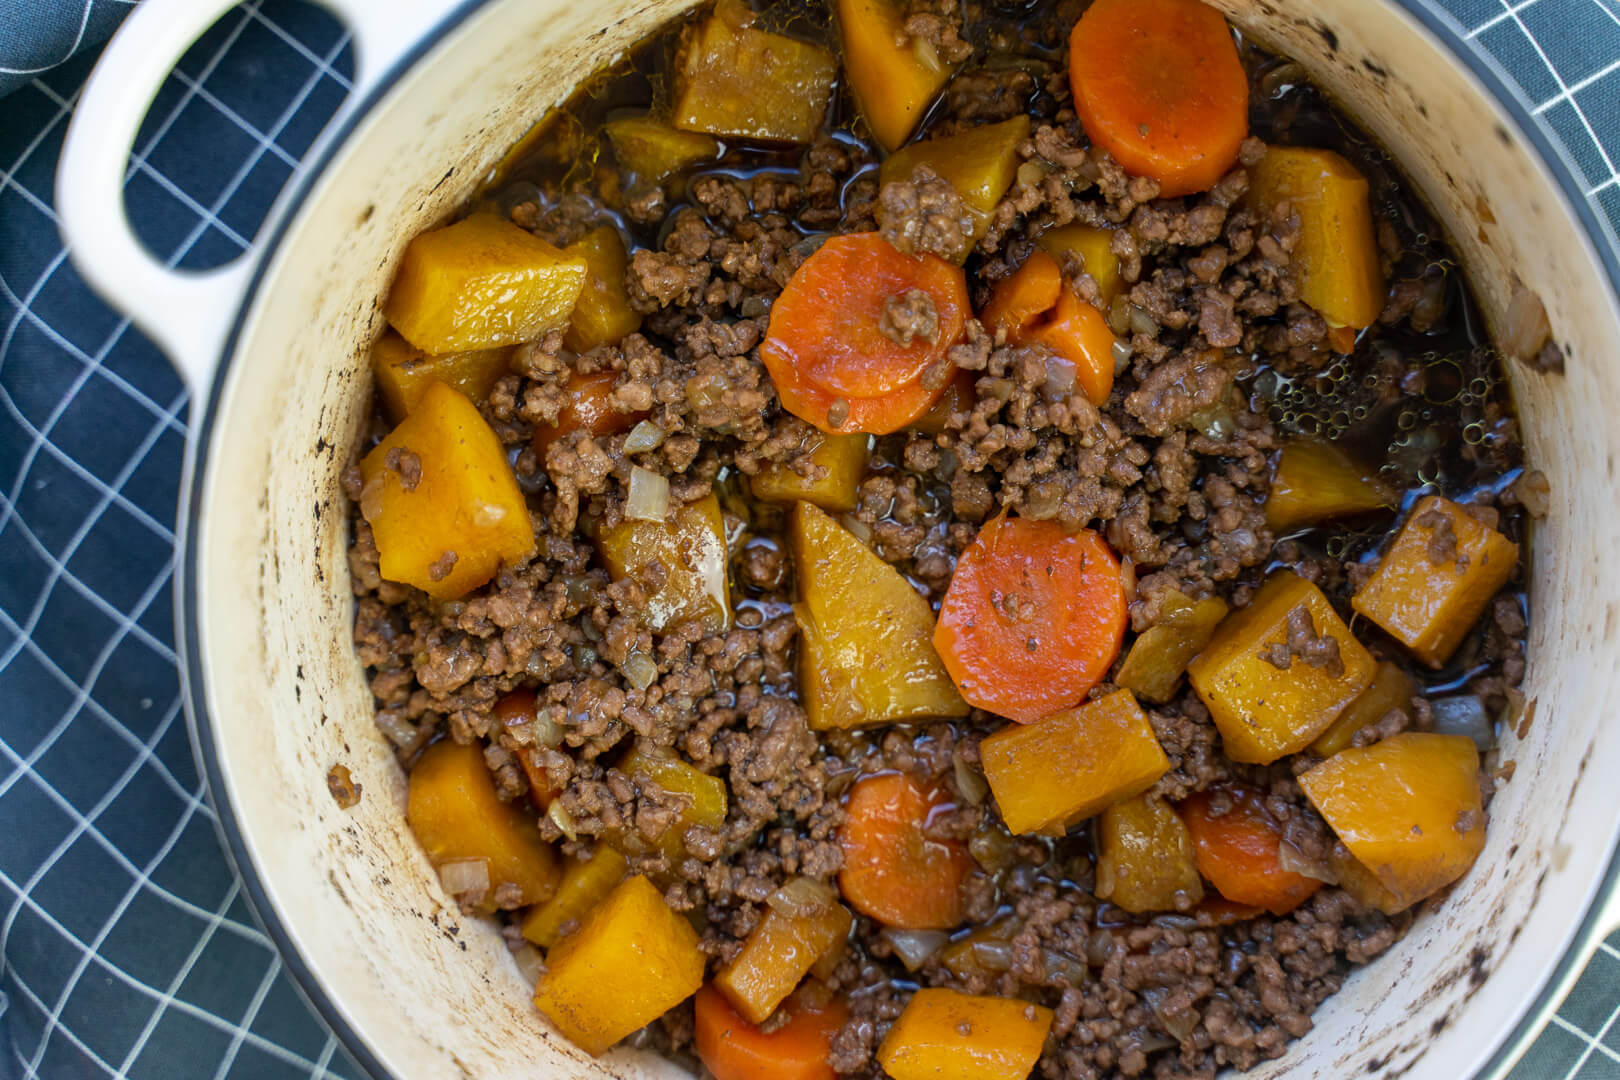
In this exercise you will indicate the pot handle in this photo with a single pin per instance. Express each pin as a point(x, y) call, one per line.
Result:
point(188, 313)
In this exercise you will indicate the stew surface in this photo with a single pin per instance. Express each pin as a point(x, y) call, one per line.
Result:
point(903, 535)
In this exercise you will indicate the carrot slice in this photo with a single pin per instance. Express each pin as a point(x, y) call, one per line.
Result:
point(1159, 85)
point(1238, 852)
point(1024, 297)
point(589, 407)
point(518, 709)
point(1033, 617)
point(734, 1049)
point(893, 870)
point(826, 350)
point(1078, 333)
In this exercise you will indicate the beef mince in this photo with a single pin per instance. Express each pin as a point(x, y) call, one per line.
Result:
point(1220, 363)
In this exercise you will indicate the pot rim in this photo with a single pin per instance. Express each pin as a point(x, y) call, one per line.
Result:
point(1441, 27)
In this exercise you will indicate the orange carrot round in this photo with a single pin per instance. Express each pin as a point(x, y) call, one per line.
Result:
point(826, 349)
point(1033, 618)
point(589, 407)
point(1158, 84)
point(516, 710)
point(1017, 301)
point(893, 870)
point(1079, 333)
point(1237, 852)
point(734, 1049)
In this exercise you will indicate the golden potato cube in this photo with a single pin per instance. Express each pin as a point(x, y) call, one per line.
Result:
point(1337, 253)
point(1161, 653)
point(837, 464)
point(1391, 688)
point(866, 647)
point(1362, 884)
point(443, 504)
point(737, 81)
point(705, 798)
point(653, 150)
point(893, 75)
point(1436, 579)
point(404, 371)
point(1093, 245)
point(1408, 808)
point(602, 314)
point(980, 163)
point(1316, 481)
point(454, 812)
point(1264, 711)
point(630, 962)
point(690, 547)
point(1146, 862)
point(1072, 764)
point(479, 284)
point(965, 1037)
point(584, 885)
point(779, 952)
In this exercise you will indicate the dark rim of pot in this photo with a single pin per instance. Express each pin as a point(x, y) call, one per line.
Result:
point(1439, 26)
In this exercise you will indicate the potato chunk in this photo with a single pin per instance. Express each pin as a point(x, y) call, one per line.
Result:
point(1391, 688)
point(1408, 808)
point(1436, 578)
point(966, 1037)
point(1146, 861)
point(704, 796)
point(894, 75)
point(1316, 481)
point(454, 812)
point(1161, 653)
point(781, 950)
point(866, 648)
point(1270, 677)
point(1362, 884)
point(837, 464)
point(479, 284)
point(602, 314)
point(690, 547)
point(1072, 764)
point(979, 163)
point(584, 885)
point(404, 371)
point(443, 504)
point(653, 150)
point(1094, 246)
point(631, 961)
point(734, 80)
point(1337, 253)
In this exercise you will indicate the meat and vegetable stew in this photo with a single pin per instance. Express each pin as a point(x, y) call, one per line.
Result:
point(932, 537)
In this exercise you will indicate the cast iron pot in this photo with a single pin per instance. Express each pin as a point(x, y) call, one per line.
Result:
point(274, 349)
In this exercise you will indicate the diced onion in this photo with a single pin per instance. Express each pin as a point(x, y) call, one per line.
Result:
point(1534, 493)
point(640, 669)
point(649, 496)
point(1060, 376)
point(1464, 715)
point(1525, 328)
point(1098, 947)
point(1064, 967)
point(643, 437)
point(465, 876)
point(969, 781)
point(1294, 861)
point(1122, 355)
point(801, 898)
point(915, 947)
point(546, 732)
point(561, 818)
point(994, 956)
point(993, 849)
point(1142, 322)
point(530, 963)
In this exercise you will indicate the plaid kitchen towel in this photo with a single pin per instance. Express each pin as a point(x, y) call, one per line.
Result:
point(126, 948)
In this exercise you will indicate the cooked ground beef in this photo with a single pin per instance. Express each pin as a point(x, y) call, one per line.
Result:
point(1219, 364)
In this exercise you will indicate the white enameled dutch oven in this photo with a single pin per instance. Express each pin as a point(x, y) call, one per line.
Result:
point(274, 349)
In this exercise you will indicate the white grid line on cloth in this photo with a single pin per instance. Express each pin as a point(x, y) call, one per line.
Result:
point(1563, 88)
point(1497, 19)
point(254, 13)
point(327, 1053)
point(28, 992)
point(271, 973)
point(191, 204)
point(78, 39)
point(236, 118)
point(1590, 1042)
point(213, 1020)
point(175, 983)
point(1576, 87)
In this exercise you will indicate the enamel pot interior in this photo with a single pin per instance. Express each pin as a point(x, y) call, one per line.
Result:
point(418, 990)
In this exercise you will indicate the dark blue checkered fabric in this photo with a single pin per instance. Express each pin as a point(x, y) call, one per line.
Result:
point(126, 948)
